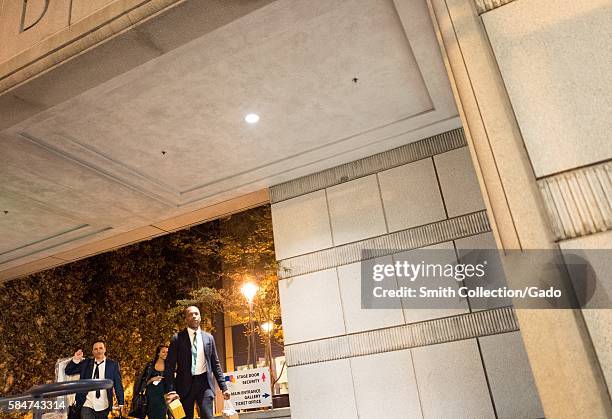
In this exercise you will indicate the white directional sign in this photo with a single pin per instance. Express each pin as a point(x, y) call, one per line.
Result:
point(249, 389)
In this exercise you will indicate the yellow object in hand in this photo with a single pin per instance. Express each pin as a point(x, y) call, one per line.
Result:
point(176, 409)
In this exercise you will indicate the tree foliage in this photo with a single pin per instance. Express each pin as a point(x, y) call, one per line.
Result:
point(245, 252)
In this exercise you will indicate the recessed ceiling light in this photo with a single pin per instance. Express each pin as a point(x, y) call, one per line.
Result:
point(252, 118)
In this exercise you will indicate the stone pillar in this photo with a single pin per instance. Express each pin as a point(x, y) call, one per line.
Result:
point(349, 362)
point(546, 178)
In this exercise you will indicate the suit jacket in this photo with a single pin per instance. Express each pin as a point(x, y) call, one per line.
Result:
point(85, 369)
point(179, 361)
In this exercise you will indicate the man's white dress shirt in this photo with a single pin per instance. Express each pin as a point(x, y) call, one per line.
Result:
point(201, 358)
point(101, 403)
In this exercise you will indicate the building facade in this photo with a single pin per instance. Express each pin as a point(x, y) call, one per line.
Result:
point(445, 124)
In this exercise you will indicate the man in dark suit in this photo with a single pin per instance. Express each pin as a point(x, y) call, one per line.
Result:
point(96, 404)
point(193, 356)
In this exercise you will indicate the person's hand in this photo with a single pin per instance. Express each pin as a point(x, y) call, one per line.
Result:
point(78, 356)
point(171, 396)
point(154, 379)
point(226, 395)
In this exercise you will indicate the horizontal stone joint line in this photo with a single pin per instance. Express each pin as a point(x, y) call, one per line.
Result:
point(53, 236)
point(52, 246)
point(133, 171)
point(366, 166)
point(96, 169)
point(425, 333)
point(388, 244)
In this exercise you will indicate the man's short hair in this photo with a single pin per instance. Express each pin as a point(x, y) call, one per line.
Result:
point(188, 307)
point(98, 341)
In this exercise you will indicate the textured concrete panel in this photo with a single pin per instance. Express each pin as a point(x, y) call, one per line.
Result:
point(301, 225)
point(460, 188)
point(411, 195)
point(355, 210)
point(554, 57)
point(23, 224)
point(494, 277)
point(66, 186)
point(317, 293)
point(512, 385)
point(358, 319)
point(414, 310)
point(451, 381)
point(598, 320)
point(385, 386)
point(322, 390)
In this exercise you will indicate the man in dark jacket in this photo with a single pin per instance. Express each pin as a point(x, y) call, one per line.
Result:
point(96, 404)
point(193, 356)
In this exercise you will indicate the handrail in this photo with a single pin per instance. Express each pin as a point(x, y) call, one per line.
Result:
point(45, 391)
point(69, 387)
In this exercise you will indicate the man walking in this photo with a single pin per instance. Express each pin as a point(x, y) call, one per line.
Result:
point(193, 356)
point(96, 404)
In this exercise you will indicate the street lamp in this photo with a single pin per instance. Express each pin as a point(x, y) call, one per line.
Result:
point(249, 290)
point(268, 328)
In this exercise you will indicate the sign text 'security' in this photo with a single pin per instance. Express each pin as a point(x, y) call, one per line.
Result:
point(22, 25)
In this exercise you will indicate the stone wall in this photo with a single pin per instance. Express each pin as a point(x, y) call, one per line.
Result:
point(554, 59)
point(347, 362)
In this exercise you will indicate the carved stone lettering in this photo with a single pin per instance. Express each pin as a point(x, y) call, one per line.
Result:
point(22, 25)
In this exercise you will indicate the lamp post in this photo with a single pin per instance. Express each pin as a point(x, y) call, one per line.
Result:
point(249, 290)
point(268, 328)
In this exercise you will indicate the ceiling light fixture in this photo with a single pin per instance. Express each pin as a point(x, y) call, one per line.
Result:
point(252, 118)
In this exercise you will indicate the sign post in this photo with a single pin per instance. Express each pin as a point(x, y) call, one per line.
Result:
point(250, 389)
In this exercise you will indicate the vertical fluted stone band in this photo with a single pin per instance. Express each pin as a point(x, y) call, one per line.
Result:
point(483, 6)
point(579, 202)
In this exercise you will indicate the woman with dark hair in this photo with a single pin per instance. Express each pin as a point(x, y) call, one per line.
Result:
point(151, 382)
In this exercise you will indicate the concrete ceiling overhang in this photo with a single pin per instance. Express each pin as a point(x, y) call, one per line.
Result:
point(152, 137)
